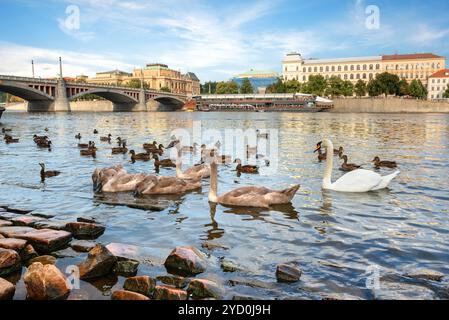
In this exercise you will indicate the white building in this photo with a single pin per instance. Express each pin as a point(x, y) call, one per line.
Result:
point(438, 84)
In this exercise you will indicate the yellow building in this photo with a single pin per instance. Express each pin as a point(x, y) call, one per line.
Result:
point(438, 84)
point(406, 66)
point(110, 78)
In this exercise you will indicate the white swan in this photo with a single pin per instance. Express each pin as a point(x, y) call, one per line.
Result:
point(355, 181)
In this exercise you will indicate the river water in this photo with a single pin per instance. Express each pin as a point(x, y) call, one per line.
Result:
point(341, 241)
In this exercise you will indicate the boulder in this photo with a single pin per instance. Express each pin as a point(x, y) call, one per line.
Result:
point(44, 240)
point(28, 253)
point(99, 262)
point(5, 223)
point(82, 245)
point(45, 282)
point(128, 295)
point(125, 251)
point(169, 293)
point(85, 230)
point(7, 290)
point(213, 246)
point(202, 288)
point(9, 261)
point(229, 266)
point(174, 281)
point(86, 219)
point(13, 244)
point(288, 273)
point(43, 215)
point(43, 260)
point(126, 267)
point(424, 274)
point(185, 261)
point(143, 285)
point(26, 220)
point(66, 253)
point(9, 216)
point(49, 224)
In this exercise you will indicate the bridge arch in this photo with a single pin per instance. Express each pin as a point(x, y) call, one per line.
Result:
point(168, 103)
point(25, 92)
point(112, 95)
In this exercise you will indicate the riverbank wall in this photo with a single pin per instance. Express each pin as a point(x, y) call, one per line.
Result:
point(389, 105)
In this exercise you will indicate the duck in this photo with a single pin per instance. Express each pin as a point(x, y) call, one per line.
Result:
point(4, 130)
point(158, 151)
point(247, 168)
point(83, 145)
point(261, 135)
point(120, 150)
point(95, 131)
point(321, 156)
point(253, 196)
point(46, 129)
point(106, 139)
point(205, 152)
point(164, 163)
point(9, 139)
point(153, 185)
point(44, 144)
point(357, 181)
point(119, 182)
point(78, 136)
point(348, 166)
point(197, 172)
point(37, 138)
point(386, 164)
point(337, 152)
point(152, 145)
point(139, 156)
point(91, 151)
point(48, 174)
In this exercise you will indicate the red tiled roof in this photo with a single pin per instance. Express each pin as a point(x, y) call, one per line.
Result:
point(410, 56)
point(441, 74)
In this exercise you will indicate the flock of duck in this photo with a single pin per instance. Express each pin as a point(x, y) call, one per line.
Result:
point(117, 179)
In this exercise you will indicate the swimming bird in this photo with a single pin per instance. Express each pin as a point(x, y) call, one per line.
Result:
point(261, 135)
point(90, 151)
point(153, 185)
point(348, 166)
point(337, 152)
point(164, 163)
point(37, 138)
point(78, 136)
point(321, 156)
point(96, 131)
point(120, 150)
point(83, 145)
point(119, 183)
point(246, 168)
point(194, 173)
point(106, 139)
point(257, 197)
point(6, 130)
point(139, 156)
point(9, 139)
point(108, 172)
point(359, 180)
point(48, 174)
point(386, 164)
point(44, 144)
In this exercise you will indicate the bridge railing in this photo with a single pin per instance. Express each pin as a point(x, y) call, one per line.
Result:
point(27, 79)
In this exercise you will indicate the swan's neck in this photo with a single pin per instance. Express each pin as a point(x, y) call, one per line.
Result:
point(329, 166)
point(179, 164)
point(213, 182)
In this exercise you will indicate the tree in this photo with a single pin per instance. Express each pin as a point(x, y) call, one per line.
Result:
point(388, 83)
point(277, 87)
point(360, 88)
point(246, 87)
point(230, 87)
point(316, 85)
point(347, 88)
point(165, 89)
point(292, 86)
point(373, 88)
point(403, 88)
point(135, 83)
point(417, 89)
point(209, 87)
point(446, 93)
point(334, 87)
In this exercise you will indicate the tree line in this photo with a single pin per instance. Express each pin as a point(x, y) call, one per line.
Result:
point(227, 87)
point(384, 84)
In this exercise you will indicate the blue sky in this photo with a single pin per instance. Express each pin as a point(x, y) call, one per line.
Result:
point(214, 39)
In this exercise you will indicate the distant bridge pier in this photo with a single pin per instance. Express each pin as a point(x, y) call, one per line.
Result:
point(142, 105)
point(61, 103)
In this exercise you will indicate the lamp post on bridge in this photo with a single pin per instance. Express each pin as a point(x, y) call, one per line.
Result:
point(32, 67)
point(61, 102)
point(142, 106)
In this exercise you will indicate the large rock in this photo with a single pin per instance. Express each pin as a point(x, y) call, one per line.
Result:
point(13, 244)
point(9, 261)
point(43, 260)
point(185, 261)
point(202, 288)
point(82, 245)
point(28, 253)
point(128, 295)
point(126, 268)
point(174, 281)
point(169, 293)
point(49, 224)
point(4, 223)
point(7, 290)
point(9, 215)
point(85, 230)
point(44, 240)
point(26, 220)
point(99, 262)
point(288, 273)
point(143, 285)
point(45, 282)
point(125, 251)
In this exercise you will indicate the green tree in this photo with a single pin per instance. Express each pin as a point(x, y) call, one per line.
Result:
point(2, 97)
point(316, 85)
point(277, 87)
point(165, 89)
point(209, 87)
point(230, 87)
point(135, 83)
point(403, 88)
point(246, 87)
point(446, 93)
point(373, 88)
point(348, 88)
point(360, 88)
point(388, 83)
point(417, 89)
point(334, 87)
point(292, 86)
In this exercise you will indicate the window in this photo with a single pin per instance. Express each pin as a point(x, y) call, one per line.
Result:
point(351, 76)
point(333, 68)
point(370, 76)
point(315, 69)
point(304, 78)
point(310, 69)
point(297, 68)
point(358, 67)
point(377, 66)
point(352, 67)
point(364, 67)
point(397, 67)
point(364, 76)
point(327, 68)
point(371, 67)
point(304, 69)
point(339, 68)
point(346, 68)
point(346, 77)
point(321, 69)
point(358, 76)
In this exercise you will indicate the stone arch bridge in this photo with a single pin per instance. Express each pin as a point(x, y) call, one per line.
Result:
point(55, 95)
